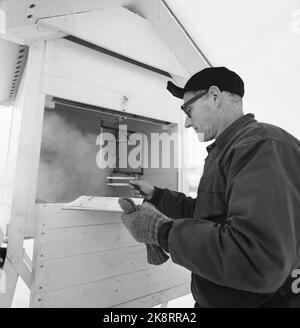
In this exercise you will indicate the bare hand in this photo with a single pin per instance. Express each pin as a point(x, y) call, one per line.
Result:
point(142, 188)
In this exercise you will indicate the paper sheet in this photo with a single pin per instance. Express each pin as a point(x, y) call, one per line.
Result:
point(96, 203)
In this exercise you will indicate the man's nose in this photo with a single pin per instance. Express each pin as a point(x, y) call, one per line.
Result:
point(188, 122)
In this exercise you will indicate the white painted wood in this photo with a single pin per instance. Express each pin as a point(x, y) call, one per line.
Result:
point(94, 68)
point(53, 216)
point(160, 15)
point(23, 271)
point(29, 33)
point(87, 76)
point(39, 224)
point(85, 268)
point(71, 281)
point(66, 242)
point(8, 56)
point(96, 96)
point(46, 8)
point(16, 11)
point(5, 119)
point(23, 158)
point(157, 298)
point(117, 290)
point(120, 31)
point(27, 260)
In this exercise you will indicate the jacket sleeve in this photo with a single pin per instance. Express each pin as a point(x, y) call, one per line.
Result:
point(173, 204)
point(256, 249)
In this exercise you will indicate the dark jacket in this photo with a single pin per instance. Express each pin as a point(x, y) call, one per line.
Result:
point(240, 237)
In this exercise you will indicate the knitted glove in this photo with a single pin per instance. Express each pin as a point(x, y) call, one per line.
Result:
point(155, 254)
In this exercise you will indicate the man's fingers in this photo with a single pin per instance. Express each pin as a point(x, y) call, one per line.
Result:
point(134, 186)
point(137, 193)
point(134, 191)
point(135, 182)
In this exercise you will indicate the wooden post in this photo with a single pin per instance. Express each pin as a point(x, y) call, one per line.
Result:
point(22, 167)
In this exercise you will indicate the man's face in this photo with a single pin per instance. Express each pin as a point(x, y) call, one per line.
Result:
point(203, 116)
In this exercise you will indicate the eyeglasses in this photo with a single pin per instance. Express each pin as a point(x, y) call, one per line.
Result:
point(186, 107)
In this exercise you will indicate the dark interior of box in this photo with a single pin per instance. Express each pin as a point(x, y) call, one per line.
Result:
point(68, 167)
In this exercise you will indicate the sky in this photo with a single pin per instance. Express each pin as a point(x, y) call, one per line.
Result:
point(260, 40)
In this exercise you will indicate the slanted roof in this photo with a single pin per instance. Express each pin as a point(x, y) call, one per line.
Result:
point(146, 31)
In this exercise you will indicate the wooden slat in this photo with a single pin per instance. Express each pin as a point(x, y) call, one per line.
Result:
point(53, 216)
point(16, 11)
point(29, 33)
point(46, 8)
point(117, 290)
point(157, 298)
point(78, 270)
point(60, 243)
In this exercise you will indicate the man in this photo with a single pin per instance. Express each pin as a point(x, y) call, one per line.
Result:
point(240, 237)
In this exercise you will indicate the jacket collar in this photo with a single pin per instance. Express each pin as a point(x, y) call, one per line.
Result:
point(231, 130)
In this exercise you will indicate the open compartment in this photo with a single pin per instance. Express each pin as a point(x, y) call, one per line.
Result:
point(88, 150)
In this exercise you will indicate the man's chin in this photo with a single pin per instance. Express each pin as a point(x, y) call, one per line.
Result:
point(201, 136)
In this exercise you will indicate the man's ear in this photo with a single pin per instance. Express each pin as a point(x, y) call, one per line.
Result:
point(215, 95)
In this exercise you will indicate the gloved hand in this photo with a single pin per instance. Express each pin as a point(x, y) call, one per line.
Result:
point(143, 222)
